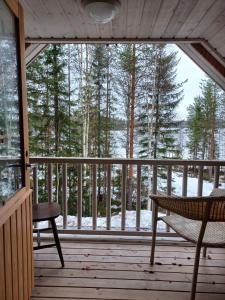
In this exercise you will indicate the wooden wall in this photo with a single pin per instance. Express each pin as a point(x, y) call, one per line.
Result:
point(16, 246)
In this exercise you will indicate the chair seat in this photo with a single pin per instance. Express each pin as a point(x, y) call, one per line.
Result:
point(214, 234)
point(45, 211)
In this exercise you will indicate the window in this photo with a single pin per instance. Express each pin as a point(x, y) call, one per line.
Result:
point(10, 131)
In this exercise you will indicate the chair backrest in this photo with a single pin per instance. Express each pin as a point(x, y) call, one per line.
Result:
point(210, 208)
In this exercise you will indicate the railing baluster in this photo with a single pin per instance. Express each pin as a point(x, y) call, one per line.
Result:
point(123, 197)
point(138, 205)
point(154, 180)
point(94, 197)
point(169, 180)
point(64, 195)
point(185, 178)
point(200, 180)
point(35, 188)
point(50, 184)
point(108, 199)
point(216, 176)
point(35, 184)
point(154, 189)
point(169, 189)
point(79, 197)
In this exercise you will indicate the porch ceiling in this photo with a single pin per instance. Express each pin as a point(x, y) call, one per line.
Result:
point(179, 21)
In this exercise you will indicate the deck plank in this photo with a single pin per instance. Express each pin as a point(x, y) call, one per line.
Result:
point(130, 260)
point(131, 267)
point(133, 253)
point(122, 272)
point(134, 275)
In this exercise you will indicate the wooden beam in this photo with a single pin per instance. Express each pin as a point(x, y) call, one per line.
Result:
point(32, 51)
point(207, 60)
point(77, 40)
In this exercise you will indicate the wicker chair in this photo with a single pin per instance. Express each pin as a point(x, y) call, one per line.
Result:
point(197, 219)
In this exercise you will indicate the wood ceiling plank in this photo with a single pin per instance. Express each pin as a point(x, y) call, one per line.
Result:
point(215, 27)
point(221, 51)
point(32, 30)
point(58, 24)
point(179, 17)
point(219, 39)
point(209, 18)
point(195, 17)
point(148, 19)
point(105, 30)
point(91, 28)
point(72, 14)
point(134, 13)
point(32, 25)
point(166, 12)
point(119, 24)
point(39, 17)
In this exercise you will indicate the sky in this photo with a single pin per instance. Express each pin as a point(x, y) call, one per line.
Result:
point(187, 69)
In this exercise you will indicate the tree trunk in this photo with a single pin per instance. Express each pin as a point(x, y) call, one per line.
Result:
point(132, 106)
point(212, 142)
point(56, 117)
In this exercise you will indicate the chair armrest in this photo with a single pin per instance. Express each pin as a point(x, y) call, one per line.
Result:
point(193, 207)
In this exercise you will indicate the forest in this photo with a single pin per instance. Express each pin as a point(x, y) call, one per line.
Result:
point(116, 100)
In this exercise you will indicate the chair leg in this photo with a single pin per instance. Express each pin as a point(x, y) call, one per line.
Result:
point(195, 272)
point(204, 251)
point(155, 216)
point(55, 233)
point(38, 238)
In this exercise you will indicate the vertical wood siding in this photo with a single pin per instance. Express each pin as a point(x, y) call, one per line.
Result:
point(16, 259)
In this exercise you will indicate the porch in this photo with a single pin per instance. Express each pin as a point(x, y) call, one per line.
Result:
point(108, 269)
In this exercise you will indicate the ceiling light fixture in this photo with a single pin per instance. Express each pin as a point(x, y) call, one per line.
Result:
point(101, 11)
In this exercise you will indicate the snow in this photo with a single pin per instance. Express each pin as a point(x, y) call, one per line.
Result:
point(146, 217)
point(192, 185)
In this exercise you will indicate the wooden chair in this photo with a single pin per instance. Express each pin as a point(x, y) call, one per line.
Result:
point(197, 219)
point(47, 212)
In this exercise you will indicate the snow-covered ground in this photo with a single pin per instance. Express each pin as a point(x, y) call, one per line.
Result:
point(145, 224)
point(192, 185)
point(146, 216)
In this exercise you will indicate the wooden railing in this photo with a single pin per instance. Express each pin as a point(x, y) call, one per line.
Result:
point(184, 167)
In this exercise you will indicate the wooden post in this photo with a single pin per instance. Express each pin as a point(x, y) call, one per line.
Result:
point(123, 197)
point(79, 198)
point(64, 195)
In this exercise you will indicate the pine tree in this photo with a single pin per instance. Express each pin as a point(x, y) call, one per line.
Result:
point(128, 78)
point(202, 121)
point(50, 109)
point(205, 115)
point(196, 130)
point(158, 122)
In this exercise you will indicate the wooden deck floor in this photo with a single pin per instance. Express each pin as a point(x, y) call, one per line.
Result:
point(122, 271)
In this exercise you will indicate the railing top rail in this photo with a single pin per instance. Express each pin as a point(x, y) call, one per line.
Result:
point(122, 161)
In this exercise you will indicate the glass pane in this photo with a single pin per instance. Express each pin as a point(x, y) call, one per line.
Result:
point(10, 139)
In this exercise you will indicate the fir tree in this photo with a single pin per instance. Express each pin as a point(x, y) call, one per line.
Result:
point(158, 122)
point(202, 121)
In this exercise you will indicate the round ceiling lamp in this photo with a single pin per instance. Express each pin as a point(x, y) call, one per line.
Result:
point(101, 11)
